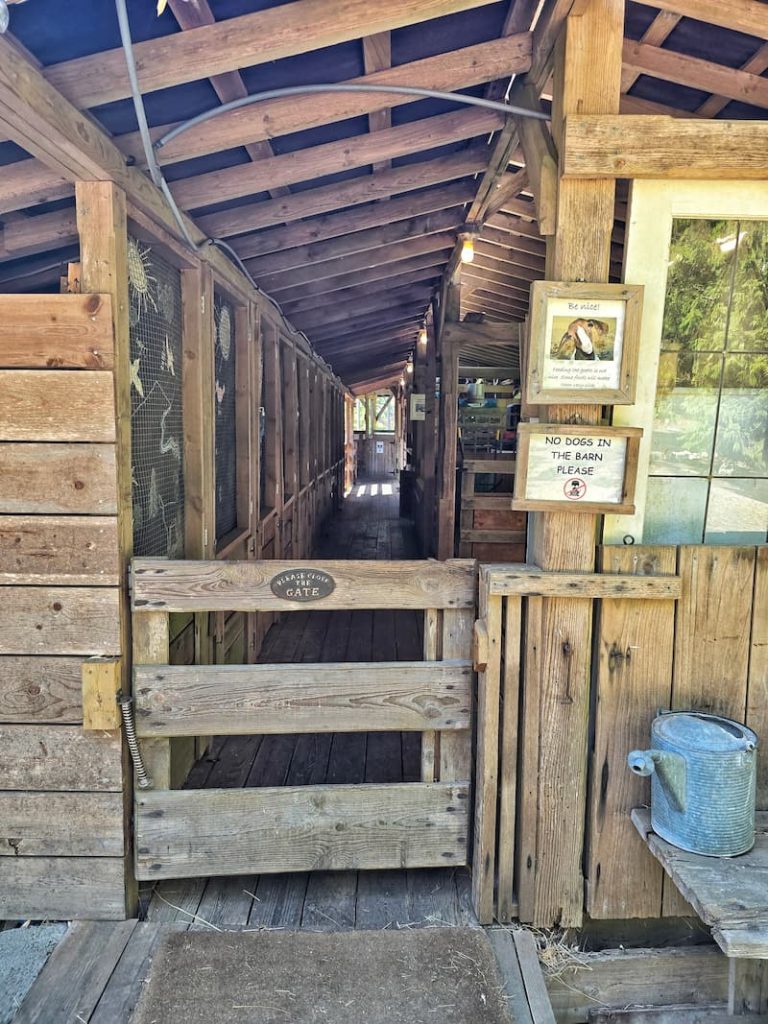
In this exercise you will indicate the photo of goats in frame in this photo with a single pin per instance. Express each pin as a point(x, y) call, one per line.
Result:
point(584, 343)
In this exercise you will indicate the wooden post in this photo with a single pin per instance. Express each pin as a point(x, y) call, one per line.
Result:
point(103, 230)
point(579, 250)
point(429, 448)
point(449, 413)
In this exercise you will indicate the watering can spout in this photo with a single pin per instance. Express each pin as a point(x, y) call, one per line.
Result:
point(669, 769)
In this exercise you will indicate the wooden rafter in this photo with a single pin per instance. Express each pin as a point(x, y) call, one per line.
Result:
point(377, 56)
point(660, 29)
point(240, 42)
point(311, 202)
point(738, 15)
point(383, 255)
point(308, 234)
point(332, 157)
point(227, 86)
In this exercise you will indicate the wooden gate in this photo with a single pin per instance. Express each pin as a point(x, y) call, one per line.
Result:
point(184, 833)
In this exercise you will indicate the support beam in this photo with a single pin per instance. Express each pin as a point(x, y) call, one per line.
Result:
point(386, 256)
point(458, 69)
point(557, 685)
point(352, 192)
point(301, 299)
point(695, 73)
point(377, 56)
point(540, 158)
point(662, 26)
point(240, 42)
point(333, 157)
point(295, 244)
point(357, 242)
point(664, 147)
point(402, 296)
point(228, 86)
point(737, 15)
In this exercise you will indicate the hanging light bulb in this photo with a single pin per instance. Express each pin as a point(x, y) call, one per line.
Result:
point(467, 249)
point(423, 336)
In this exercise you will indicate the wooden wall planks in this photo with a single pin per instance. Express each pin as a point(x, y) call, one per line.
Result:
point(634, 677)
point(59, 620)
point(39, 689)
point(57, 332)
point(757, 694)
point(61, 788)
point(71, 479)
point(56, 405)
point(59, 758)
point(59, 550)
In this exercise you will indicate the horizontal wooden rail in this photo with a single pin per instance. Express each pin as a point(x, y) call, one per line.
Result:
point(188, 586)
point(221, 700)
point(488, 502)
point(187, 833)
point(530, 581)
point(501, 467)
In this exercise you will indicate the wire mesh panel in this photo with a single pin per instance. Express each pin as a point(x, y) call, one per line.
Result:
point(154, 287)
point(224, 423)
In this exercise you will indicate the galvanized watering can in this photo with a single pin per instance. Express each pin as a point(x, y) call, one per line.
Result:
point(703, 771)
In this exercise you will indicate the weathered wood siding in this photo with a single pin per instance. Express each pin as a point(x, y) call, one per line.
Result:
point(704, 650)
point(62, 830)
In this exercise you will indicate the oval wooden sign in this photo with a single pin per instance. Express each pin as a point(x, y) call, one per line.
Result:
point(302, 585)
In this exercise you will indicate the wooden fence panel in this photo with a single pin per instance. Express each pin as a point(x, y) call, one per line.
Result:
point(48, 479)
point(455, 747)
point(40, 689)
point(508, 756)
point(635, 642)
point(56, 405)
point(57, 331)
point(303, 828)
point(711, 645)
point(55, 550)
point(348, 697)
point(757, 695)
point(245, 586)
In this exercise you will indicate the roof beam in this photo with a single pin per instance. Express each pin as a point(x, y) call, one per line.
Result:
point(756, 65)
point(738, 15)
point(705, 75)
point(352, 192)
point(383, 255)
point(488, 280)
point(377, 56)
point(294, 307)
point(400, 296)
point(332, 157)
point(358, 241)
point(374, 280)
point(240, 42)
point(457, 69)
point(602, 146)
point(283, 242)
point(396, 316)
point(29, 182)
point(660, 29)
point(230, 85)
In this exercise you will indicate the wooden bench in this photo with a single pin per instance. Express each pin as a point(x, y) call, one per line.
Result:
point(730, 894)
point(524, 986)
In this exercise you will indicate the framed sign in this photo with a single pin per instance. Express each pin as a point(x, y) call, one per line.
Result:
point(582, 469)
point(418, 406)
point(584, 343)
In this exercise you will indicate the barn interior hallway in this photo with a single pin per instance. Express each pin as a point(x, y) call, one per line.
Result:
point(368, 526)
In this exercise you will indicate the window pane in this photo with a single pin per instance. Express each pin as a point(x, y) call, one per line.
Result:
point(748, 326)
point(686, 412)
point(738, 512)
point(675, 510)
point(698, 283)
point(742, 431)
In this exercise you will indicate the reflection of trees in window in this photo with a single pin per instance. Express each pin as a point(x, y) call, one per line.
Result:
point(712, 395)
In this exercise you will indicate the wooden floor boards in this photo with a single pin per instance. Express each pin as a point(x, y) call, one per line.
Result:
point(369, 526)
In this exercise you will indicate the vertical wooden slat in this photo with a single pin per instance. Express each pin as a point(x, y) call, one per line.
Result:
point(151, 647)
point(455, 747)
point(102, 227)
point(487, 761)
point(711, 645)
point(449, 396)
point(290, 419)
point(530, 736)
point(757, 694)
point(430, 741)
point(244, 415)
point(466, 516)
point(508, 751)
point(579, 250)
point(634, 679)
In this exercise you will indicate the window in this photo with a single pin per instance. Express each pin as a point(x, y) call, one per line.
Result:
point(709, 449)
point(157, 446)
